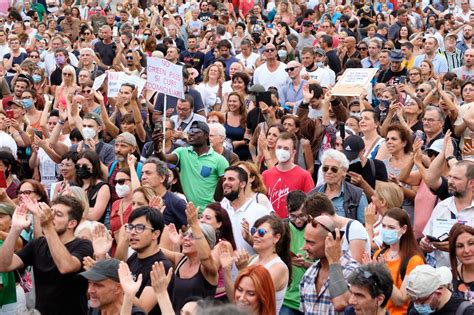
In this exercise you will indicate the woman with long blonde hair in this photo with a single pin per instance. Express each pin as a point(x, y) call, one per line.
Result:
point(211, 87)
point(68, 86)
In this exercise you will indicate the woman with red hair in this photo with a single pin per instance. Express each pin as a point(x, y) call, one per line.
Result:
point(254, 291)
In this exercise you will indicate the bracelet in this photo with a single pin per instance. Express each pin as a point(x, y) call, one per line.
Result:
point(198, 238)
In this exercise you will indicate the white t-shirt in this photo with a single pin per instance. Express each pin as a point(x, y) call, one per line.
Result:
point(356, 232)
point(250, 61)
point(322, 75)
point(208, 94)
point(8, 142)
point(277, 78)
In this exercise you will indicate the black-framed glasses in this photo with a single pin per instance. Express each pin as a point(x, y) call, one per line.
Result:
point(415, 73)
point(301, 217)
point(83, 166)
point(261, 231)
point(420, 90)
point(129, 57)
point(363, 48)
point(315, 223)
point(121, 181)
point(270, 50)
point(87, 33)
point(333, 169)
point(146, 34)
point(290, 69)
point(139, 228)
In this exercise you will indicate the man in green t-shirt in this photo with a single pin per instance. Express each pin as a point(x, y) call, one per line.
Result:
point(201, 168)
point(294, 203)
point(7, 279)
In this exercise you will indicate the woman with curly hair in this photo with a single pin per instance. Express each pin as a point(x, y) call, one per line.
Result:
point(211, 87)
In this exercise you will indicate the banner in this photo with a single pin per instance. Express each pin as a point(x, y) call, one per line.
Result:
point(354, 81)
point(165, 77)
point(113, 84)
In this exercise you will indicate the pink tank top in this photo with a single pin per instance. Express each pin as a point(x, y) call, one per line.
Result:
point(425, 201)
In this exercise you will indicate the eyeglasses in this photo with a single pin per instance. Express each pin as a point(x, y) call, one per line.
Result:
point(25, 192)
point(86, 91)
point(34, 56)
point(362, 48)
point(290, 69)
point(301, 217)
point(139, 228)
point(67, 74)
point(121, 181)
point(147, 34)
point(414, 73)
point(333, 169)
point(66, 165)
point(87, 33)
point(420, 90)
point(431, 153)
point(269, 50)
point(129, 57)
point(429, 120)
point(84, 166)
point(261, 231)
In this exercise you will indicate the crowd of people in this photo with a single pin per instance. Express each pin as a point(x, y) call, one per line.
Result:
point(262, 191)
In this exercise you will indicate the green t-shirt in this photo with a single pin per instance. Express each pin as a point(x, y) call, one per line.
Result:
point(8, 287)
point(40, 10)
point(199, 175)
point(292, 296)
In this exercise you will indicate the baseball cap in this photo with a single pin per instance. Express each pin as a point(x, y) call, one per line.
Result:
point(128, 138)
point(102, 270)
point(436, 146)
point(352, 146)
point(320, 51)
point(200, 125)
point(6, 208)
point(17, 103)
point(451, 35)
point(396, 55)
point(424, 280)
point(93, 116)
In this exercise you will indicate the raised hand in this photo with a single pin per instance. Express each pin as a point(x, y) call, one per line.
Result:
point(174, 236)
point(31, 205)
point(101, 241)
point(246, 232)
point(370, 214)
point(88, 262)
point(130, 287)
point(20, 218)
point(157, 202)
point(131, 160)
point(307, 94)
point(191, 213)
point(225, 256)
point(46, 214)
point(448, 144)
point(241, 258)
point(333, 248)
point(159, 278)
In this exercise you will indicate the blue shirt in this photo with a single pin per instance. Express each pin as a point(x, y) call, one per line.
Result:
point(439, 63)
point(366, 63)
point(289, 94)
point(338, 203)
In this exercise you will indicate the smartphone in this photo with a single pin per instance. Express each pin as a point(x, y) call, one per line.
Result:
point(265, 97)
point(342, 130)
point(3, 180)
point(341, 233)
point(159, 126)
point(402, 80)
point(9, 113)
point(443, 238)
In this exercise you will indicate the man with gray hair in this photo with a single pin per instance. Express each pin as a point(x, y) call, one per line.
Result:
point(217, 137)
point(87, 57)
point(372, 60)
point(349, 200)
point(155, 175)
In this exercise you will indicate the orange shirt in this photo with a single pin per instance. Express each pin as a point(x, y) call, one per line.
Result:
point(393, 266)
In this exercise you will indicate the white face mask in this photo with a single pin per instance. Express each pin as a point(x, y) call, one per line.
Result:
point(122, 190)
point(282, 155)
point(88, 133)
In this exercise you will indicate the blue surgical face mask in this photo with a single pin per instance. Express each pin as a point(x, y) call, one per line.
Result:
point(423, 308)
point(27, 103)
point(145, 37)
point(320, 64)
point(389, 237)
point(36, 78)
point(282, 54)
point(385, 103)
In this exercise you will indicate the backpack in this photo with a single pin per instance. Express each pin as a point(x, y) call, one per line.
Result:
point(114, 164)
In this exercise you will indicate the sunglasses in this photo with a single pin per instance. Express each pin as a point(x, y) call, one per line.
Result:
point(129, 58)
point(147, 34)
point(269, 50)
point(290, 69)
point(121, 181)
point(362, 48)
point(86, 91)
point(67, 74)
point(333, 169)
point(83, 166)
point(261, 231)
point(315, 224)
point(421, 90)
point(25, 192)
point(415, 73)
point(34, 56)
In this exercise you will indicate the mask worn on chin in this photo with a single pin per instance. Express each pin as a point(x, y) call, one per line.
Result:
point(389, 237)
point(84, 173)
point(88, 133)
point(355, 114)
point(233, 195)
point(27, 103)
point(320, 64)
point(282, 155)
point(310, 67)
point(423, 308)
point(122, 190)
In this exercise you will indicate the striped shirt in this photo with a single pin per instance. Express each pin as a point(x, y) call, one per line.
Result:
point(454, 59)
point(312, 303)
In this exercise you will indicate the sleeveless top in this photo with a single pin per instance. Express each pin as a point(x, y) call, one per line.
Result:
point(197, 285)
point(92, 194)
point(464, 288)
point(279, 295)
point(237, 134)
point(372, 153)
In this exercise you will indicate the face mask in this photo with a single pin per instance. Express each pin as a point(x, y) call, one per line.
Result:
point(320, 64)
point(282, 54)
point(88, 133)
point(451, 6)
point(423, 308)
point(83, 173)
point(354, 161)
point(355, 114)
point(122, 190)
point(385, 103)
point(145, 37)
point(310, 67)
point(232, 195)
point(282, 155)
point(389, 237)
point(60, 60)
point(27, 103)
point(36, 78)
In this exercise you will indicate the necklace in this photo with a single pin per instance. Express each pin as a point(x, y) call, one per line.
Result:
point(392, 255)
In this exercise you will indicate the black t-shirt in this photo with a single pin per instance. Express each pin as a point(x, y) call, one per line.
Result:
point(449, 308)
point(254, 117)
point(390, 77)
point(106, 52)
point(144, 266)
point(57, 293)
point(333, 61)
point(16, 60)
point(442, 191)
point(195, 59)
point(205, 16)
point(135, 311)
point(369, 173)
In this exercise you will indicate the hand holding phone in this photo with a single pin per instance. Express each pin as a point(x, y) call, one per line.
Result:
point(3, 180)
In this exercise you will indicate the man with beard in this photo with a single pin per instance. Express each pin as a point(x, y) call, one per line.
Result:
point(201, 167)
point(125, 144)
point(144, 229)
point(466, 41)
point(242, 210)
point(105, 292)
point(312, 70)
point(458, 208)
point(56, 257)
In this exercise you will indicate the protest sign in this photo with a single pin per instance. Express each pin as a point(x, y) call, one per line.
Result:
point(165, 77)
point(354, 81)
point(114, 84)
point(138, 82)
point(99, 81)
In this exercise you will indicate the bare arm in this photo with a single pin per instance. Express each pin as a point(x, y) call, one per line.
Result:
point(103, 198)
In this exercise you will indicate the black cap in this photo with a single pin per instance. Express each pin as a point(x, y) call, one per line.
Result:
point(102, 270)
point(352, 147)
point(200, 125)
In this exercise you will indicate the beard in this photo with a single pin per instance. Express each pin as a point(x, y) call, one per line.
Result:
point(232, 195)
point(120, 158)
point(61, 231)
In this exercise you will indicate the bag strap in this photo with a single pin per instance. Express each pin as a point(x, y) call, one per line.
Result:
point(111, 168)
point(462, 307)
point(372, 166)
point(347, 230)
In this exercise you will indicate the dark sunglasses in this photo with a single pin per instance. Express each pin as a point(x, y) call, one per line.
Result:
point(34, 56)
point(121, 181)
point(261, 231)
point(129, 58)
point(147, 34)
point(87, 33)
point(362, 48)
point(269, 50)
point(420, 90)
point(67, 74)
point(431, 153)
point(290, 69)
point(83, 166)
point(333, 169)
